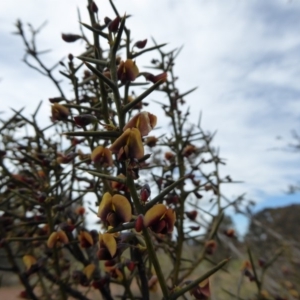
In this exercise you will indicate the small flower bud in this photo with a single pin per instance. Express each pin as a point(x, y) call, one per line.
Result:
point(107, 20)
point(192, 215)
point(210, 247)
point(59, 112)
point(130, 265)
point(188, 150)
point(85, 119)
point(93, 7)
point(114, 25)
point(261, 262)
point(41, 197)
point(70, 38)
point(139, 223)
point(141, 44)
point(194, 228)
point(169, 156)
point(172, 198)
point(229, 232)
point(155, 78)
point(151, 141)
point(145, 192)
point(23, 295)
point(98, 284)
point(80, 210)
point(56, 99)
point(2, 153)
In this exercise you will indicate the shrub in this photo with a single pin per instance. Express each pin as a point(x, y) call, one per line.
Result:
point(156, 191)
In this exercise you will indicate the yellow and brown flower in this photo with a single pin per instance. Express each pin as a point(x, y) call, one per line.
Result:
point(153, 283)
point(85, 239)
point(127, 71)
point(89, 270)
point(160, 219)
point(202, 291)
point(29, 261)
point(59, 112)
point(129, 145)
point(189, 150)
point(102, 157)
point(143, 121)
point(114, 210)
point(57, 237)
point(108, 246)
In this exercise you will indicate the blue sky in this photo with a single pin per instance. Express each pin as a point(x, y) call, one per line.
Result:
point(243, 55)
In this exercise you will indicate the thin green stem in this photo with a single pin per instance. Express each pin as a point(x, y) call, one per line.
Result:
point(147, 236)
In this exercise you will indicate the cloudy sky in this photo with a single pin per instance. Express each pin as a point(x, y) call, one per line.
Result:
point(244, 56)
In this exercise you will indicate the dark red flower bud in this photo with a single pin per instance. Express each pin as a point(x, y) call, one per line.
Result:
point(155, 78)
point(145, 192)
point(194, 228)
point(210, 247)
point(67, 227)
point(172, 198)
point(23, 295)
point(261, 262)
point(192, 214)
point(130, 265)
point(109, 263)
point(56, 99)
point(198, 196)
point(93, 7)
point(229, 232)
point(169, 156)
point(2, 153)
point(70, 57)
point(42, 197)
point(77, 276)
point(141, 44)
point(85, 119)
point(139, 223)
point(114, 25)
point(2, 243)
point(98, 284)
point(107, 20)
point(70, 38)
point(247, 273)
